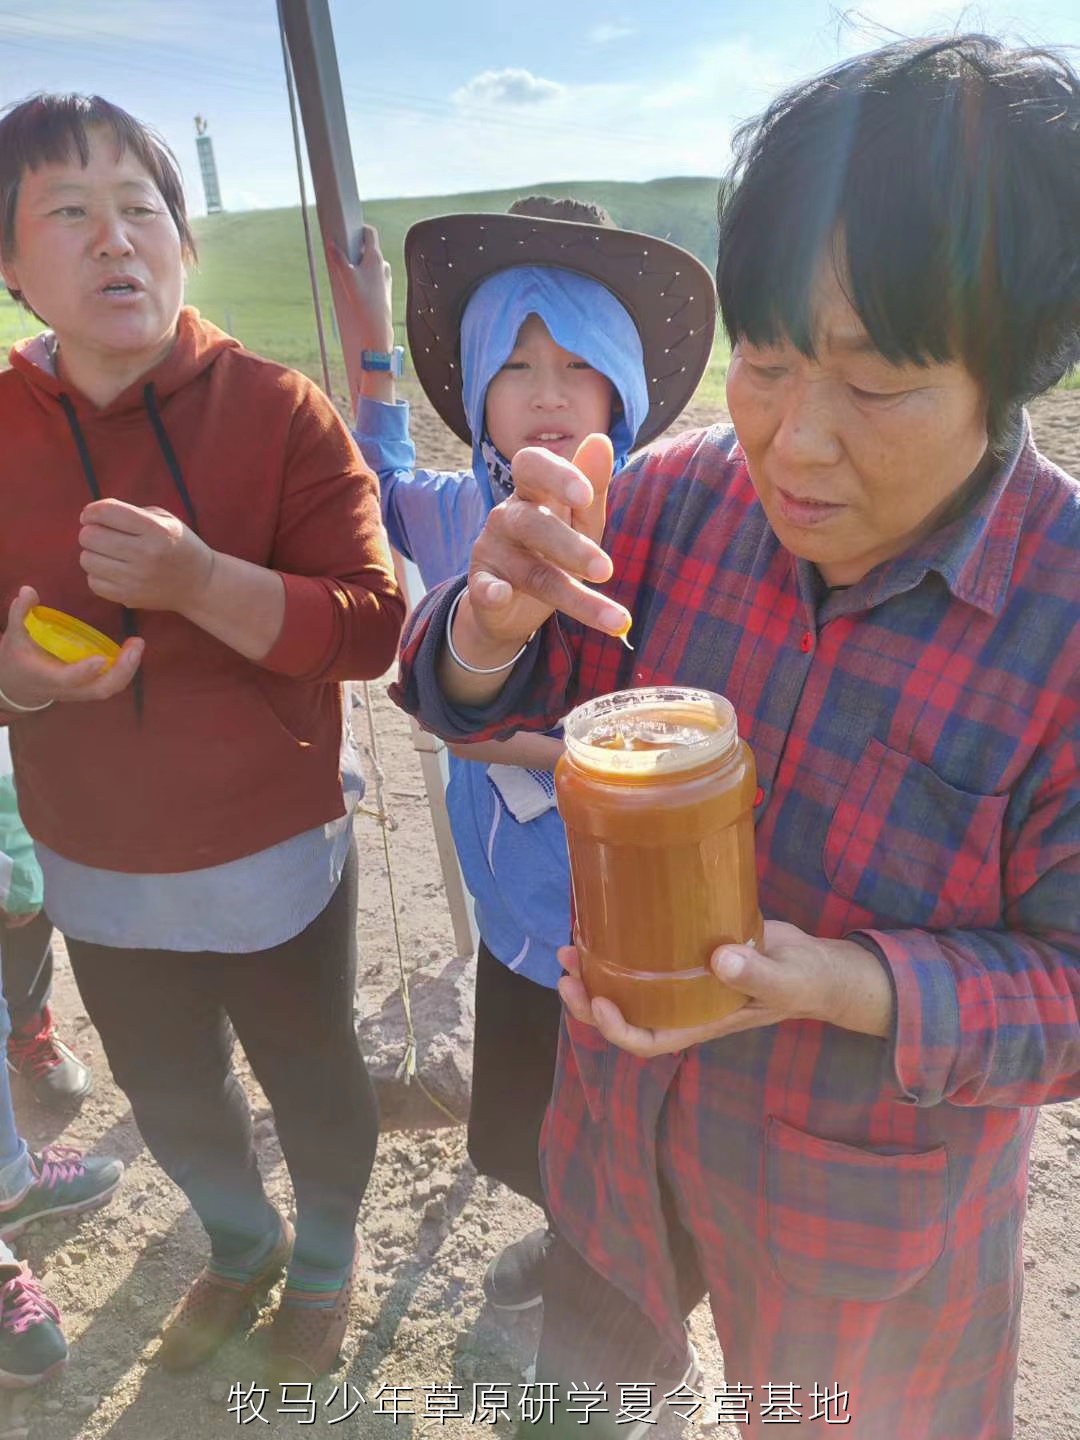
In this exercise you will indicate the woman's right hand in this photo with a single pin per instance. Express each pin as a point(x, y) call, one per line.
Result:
point(536, 554)
point(31, 677)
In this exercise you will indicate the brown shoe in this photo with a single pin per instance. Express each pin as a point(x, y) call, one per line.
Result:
point(305, 1340)
point(214, 1307)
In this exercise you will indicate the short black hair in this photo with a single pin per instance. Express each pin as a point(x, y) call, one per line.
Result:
point(947, 173)
point(53, 129)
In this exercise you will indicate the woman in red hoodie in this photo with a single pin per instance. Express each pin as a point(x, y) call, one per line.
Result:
point(192, 804)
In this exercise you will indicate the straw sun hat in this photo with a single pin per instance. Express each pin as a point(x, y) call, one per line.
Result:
point(668, 293)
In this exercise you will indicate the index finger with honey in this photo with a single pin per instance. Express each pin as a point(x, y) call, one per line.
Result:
point(595, 458)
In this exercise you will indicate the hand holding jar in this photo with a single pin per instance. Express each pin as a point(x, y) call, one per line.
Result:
point(790, 976)
point(656, 790)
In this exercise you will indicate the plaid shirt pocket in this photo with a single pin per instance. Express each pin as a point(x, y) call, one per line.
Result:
point(851, 1223)
point(911, 849)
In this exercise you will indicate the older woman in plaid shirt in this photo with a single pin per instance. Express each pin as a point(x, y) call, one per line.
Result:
point(883, 574)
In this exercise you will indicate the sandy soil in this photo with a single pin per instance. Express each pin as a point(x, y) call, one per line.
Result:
point(429, 1223)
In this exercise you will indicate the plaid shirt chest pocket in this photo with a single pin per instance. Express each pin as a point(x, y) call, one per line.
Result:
point(911, 849)
point(850, 1223)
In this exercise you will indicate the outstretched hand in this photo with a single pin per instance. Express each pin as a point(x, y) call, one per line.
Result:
point(538, 552)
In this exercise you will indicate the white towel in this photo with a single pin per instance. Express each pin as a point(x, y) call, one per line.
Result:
point(525, 793)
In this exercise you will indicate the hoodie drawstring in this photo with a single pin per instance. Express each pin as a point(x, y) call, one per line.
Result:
point(130, 623)
point(165, 446)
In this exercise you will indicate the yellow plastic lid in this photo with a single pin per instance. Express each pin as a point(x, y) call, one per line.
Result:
point(67, 638)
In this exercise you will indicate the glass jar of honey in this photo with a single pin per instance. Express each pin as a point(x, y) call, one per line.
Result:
point(656, 791)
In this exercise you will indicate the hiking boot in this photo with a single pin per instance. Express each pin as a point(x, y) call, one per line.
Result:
point(32, 1346)
point(215, 1307)
point(53, 1072)
point(306, 1339)
point(66, 1183)
point(515, 1278)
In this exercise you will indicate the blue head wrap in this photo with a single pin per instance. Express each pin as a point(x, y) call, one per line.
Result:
point(581, 316)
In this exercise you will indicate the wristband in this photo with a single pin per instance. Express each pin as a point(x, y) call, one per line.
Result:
point(464, 664)
point(21, 709)
point(390, 362)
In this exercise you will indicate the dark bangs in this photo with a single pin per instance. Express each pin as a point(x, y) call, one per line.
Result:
point(945, 177)
point(54, 129)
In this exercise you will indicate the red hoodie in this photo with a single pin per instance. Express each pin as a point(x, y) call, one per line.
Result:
point(212, 756)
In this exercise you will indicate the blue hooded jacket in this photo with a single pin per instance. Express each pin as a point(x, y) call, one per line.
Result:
point(517, 871)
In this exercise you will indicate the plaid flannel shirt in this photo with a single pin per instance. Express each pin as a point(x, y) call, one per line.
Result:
point(857, 1204)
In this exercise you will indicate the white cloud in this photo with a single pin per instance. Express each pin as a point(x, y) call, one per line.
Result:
point(507, 87)
point(605, 34)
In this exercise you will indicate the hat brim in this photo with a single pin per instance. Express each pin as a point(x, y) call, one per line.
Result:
point(669, 294)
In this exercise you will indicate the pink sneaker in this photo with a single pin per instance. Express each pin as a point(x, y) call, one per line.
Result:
point(66, 1183)
point(32, 1345)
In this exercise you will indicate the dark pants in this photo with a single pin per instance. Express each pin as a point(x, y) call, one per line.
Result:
point(514, 1048)
point(27, 960)
point(594, 1337)
point(591, 1331)
point(167, 1021)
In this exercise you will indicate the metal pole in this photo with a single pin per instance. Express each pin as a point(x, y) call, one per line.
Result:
point(309, 42)
point(309, 38)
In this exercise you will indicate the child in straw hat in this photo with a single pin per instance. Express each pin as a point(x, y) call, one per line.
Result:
point(533, 328)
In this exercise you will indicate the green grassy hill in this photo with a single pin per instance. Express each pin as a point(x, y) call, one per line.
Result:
point(252, 277)
point(253, 280)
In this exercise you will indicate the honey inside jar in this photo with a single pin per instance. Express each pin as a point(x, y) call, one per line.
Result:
point(656, 791)
point(647, 732)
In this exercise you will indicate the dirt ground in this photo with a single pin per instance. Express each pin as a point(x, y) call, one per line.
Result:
point(429, 1223)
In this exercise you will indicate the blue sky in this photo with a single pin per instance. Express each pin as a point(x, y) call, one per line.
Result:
point(451, 95)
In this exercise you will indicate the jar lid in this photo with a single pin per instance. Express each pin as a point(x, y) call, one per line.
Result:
point(655, 731)
point(67, 638)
